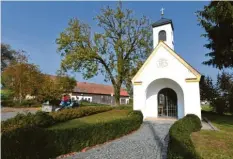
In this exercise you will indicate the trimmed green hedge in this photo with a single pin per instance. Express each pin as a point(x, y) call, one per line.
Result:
point(180, 143)
point(68, 114)
point(42, 119)
point(75, 139)
point(84, 103)
point(35, 142)
point(124, 107)
point(27, 143)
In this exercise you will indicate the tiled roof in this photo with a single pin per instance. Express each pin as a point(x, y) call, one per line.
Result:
point(85, 87)
point(94, 88)
point(163, 21)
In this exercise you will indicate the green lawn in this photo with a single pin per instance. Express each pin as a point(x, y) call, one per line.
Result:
point(207, 108)
point(101, 117)
point(215, 144)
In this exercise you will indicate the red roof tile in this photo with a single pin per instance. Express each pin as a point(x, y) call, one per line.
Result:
point(94, 88)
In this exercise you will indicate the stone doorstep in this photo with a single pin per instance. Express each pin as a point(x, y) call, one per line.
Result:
point(159, 119)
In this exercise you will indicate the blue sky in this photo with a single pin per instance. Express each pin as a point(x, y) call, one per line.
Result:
point(34, 27)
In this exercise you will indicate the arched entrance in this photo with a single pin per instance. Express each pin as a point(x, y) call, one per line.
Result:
point(167, 103)
point(173, 103)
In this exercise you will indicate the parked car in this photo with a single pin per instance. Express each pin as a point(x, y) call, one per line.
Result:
point(48, 107)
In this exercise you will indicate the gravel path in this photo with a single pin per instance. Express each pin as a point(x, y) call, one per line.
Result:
point(149, 142)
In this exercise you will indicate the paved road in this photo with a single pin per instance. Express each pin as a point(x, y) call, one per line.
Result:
point(7, 115)
point(149, 142)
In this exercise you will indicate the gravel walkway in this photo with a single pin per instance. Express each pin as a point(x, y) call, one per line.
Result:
point(149, 142)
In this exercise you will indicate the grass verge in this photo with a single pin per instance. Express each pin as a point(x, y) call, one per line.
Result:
point(215, 144)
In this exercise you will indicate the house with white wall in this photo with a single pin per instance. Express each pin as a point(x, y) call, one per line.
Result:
point(98, 93)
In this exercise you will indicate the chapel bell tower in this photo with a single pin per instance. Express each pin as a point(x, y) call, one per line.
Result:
point(163, 30)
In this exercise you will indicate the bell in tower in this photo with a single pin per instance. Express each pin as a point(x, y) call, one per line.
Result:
point(163, 31)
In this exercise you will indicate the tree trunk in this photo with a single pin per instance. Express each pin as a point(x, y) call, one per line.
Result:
point(117, 95)
point(20, 94)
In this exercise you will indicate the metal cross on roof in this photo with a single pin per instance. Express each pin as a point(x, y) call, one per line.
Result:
point(162, 13)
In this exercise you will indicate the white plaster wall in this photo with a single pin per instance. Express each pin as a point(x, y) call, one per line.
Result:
point(126, 100)
point(138, 97)
point(151, 107)
point(192, 99)
point(81, 97)
point(169, 32)
point(174, 71)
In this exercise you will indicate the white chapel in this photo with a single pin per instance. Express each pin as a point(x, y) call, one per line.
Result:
point(166, 86)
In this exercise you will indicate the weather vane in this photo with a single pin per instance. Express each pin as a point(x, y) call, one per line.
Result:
point(162, 13)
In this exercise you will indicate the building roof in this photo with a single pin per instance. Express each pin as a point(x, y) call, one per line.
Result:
point(163, 21)
point(93, 88)
point(173, 53)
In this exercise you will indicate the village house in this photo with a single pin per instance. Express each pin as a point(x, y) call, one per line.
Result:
point(98, 93)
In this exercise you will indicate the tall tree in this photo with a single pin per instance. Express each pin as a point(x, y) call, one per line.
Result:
point(65, 83)
point(220, 94)
point(207, 89)
point(7, 55)
point(22, 79)
point(123, 45)
point(225, 86)
point(53, 88)
point(217, 20)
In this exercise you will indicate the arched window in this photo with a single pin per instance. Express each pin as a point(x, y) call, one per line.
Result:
point(162, 35)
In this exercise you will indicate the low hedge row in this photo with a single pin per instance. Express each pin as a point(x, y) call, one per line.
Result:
point(35, 142)
point(42, 119)
point(68, 114)
point(180, 143)
point(84, 103)
point(124, 107)
point(22, 104)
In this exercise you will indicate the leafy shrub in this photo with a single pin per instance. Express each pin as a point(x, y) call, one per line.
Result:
point(48, 143)
point(84, 103)
point(180, 144)
point(28, 103)
point(6, 95)
point(131, 101)
point(124, 107)
point(7, 103)
point(43, 119)
point(27, 142)
point(219, 104)
point(40, 119)
point(24, 103)
point(68, 114)
point(231, 103)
